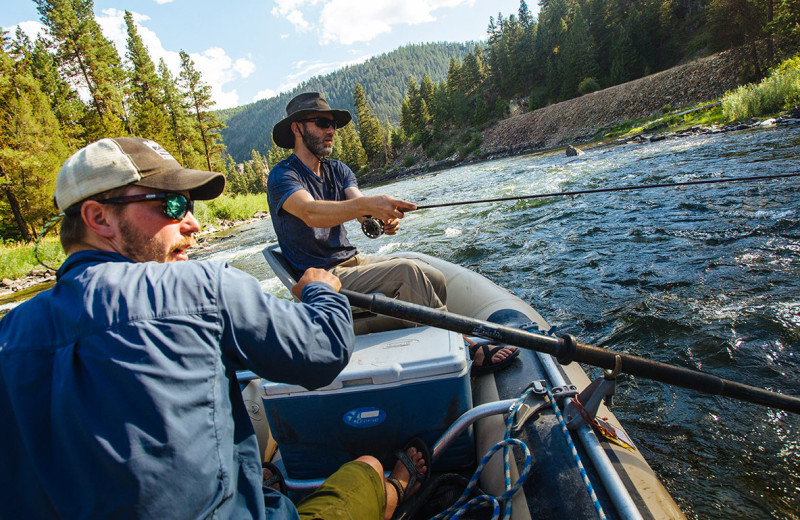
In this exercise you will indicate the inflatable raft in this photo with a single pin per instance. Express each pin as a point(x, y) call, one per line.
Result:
point(554, 449)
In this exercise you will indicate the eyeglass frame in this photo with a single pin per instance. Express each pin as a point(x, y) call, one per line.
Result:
point(316, 120)
point(144, 197)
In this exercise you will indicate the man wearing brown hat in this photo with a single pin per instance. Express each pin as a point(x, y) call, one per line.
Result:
point(118, 388)
point(311, 197)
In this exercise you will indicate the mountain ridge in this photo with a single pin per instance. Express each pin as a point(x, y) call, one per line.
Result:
point(384, 78)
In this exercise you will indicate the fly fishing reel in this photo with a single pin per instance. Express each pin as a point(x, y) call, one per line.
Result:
point(371, 226)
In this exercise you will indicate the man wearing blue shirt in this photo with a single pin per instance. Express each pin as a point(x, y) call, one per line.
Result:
point(118, 389)
point(310, 199)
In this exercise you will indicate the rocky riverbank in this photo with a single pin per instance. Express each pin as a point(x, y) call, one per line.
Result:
point(583, 119)
point(586, 118)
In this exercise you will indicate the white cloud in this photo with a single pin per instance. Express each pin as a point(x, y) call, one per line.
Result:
point(350, 21)
point(291, 10)
point(216, 67)
point(305, 70)
point(163, 1)
point(264, 94)
point(31, 28)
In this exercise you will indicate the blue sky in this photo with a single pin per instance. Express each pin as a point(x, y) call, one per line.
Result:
point(249, 50)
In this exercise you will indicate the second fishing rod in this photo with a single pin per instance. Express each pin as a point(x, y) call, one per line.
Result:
point(373, 227)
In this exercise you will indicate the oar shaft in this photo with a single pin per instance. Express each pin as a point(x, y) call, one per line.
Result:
point(685, 378)
point(567, 350)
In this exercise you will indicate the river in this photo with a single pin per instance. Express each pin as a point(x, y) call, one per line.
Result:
point(701, 276)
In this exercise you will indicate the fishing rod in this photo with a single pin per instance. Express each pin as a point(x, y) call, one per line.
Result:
point(373, 227)
point(566, 350)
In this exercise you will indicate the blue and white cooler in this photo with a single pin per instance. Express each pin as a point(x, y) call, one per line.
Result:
point(399, 384)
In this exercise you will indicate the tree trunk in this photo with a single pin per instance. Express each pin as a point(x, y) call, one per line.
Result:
point(770, 44)
point(754, 55)
point(15, 209)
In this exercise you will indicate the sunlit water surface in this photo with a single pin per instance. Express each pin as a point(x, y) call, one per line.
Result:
point(704, 277)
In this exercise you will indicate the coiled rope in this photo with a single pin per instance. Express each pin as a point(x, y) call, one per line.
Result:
point(463, 504)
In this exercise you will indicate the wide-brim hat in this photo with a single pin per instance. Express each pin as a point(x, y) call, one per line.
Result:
point(116, 162)
point(299, 107)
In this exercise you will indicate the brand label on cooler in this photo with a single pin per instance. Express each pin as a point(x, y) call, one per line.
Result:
point(365, 417)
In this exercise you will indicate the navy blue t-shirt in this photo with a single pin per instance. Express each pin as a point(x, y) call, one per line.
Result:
point(305, 246)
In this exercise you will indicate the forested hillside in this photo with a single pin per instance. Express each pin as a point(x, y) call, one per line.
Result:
point(384, 78)
point(438, 99)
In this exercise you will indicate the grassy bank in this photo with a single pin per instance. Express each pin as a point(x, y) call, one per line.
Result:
point(17, 259)
point(775, 94)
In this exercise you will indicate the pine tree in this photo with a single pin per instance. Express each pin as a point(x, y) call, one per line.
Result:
point(32, 146)
point(405, 116)
point(198, 96)
point(454, 82)
point(88, 60)
point(179, 122)
point(276, 154)
point(417, 109)
point(369, 128)
point(347, 148)
point(426, 89)
point(578, 60)
point(550, 37)
point(258, 183)
point(148, 115)
point(64, 101)
point(473, 72)
point(623, 57)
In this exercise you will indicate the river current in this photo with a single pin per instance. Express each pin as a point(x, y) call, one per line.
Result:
point(705, 277)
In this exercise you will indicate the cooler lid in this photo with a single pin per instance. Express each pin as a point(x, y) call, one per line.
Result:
point(390, 358)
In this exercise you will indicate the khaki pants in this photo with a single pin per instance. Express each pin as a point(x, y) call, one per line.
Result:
point(405, 279)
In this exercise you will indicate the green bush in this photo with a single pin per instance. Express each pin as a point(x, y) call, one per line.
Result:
point(588, 85)
point(409, 160)
point(778, 91)
point(537, 99)
point(18, 259)
point(238, 207)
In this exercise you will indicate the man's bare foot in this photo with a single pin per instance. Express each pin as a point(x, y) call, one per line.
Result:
point(401, 474)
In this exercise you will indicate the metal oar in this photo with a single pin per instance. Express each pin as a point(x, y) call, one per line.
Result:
point(567, 349)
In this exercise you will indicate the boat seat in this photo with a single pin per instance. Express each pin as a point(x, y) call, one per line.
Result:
point(364, 321)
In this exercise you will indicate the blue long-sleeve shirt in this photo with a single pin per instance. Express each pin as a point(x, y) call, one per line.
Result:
point(118, 390)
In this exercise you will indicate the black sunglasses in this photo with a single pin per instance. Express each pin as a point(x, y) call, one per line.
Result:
point(175, 205)
point(321, 122)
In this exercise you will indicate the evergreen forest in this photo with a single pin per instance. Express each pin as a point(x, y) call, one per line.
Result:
point(71, 87)
point(385, 77)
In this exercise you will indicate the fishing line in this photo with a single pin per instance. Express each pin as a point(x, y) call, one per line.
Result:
point(373, 227)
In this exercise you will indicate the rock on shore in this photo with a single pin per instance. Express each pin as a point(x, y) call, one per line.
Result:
point(581, 119)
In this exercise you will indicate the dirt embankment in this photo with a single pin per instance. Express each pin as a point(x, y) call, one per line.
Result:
point(581, 119)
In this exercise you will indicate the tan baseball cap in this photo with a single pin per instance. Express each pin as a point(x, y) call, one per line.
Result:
point(112, 163)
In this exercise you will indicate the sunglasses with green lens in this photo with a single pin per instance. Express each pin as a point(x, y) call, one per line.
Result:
point(174, 205)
